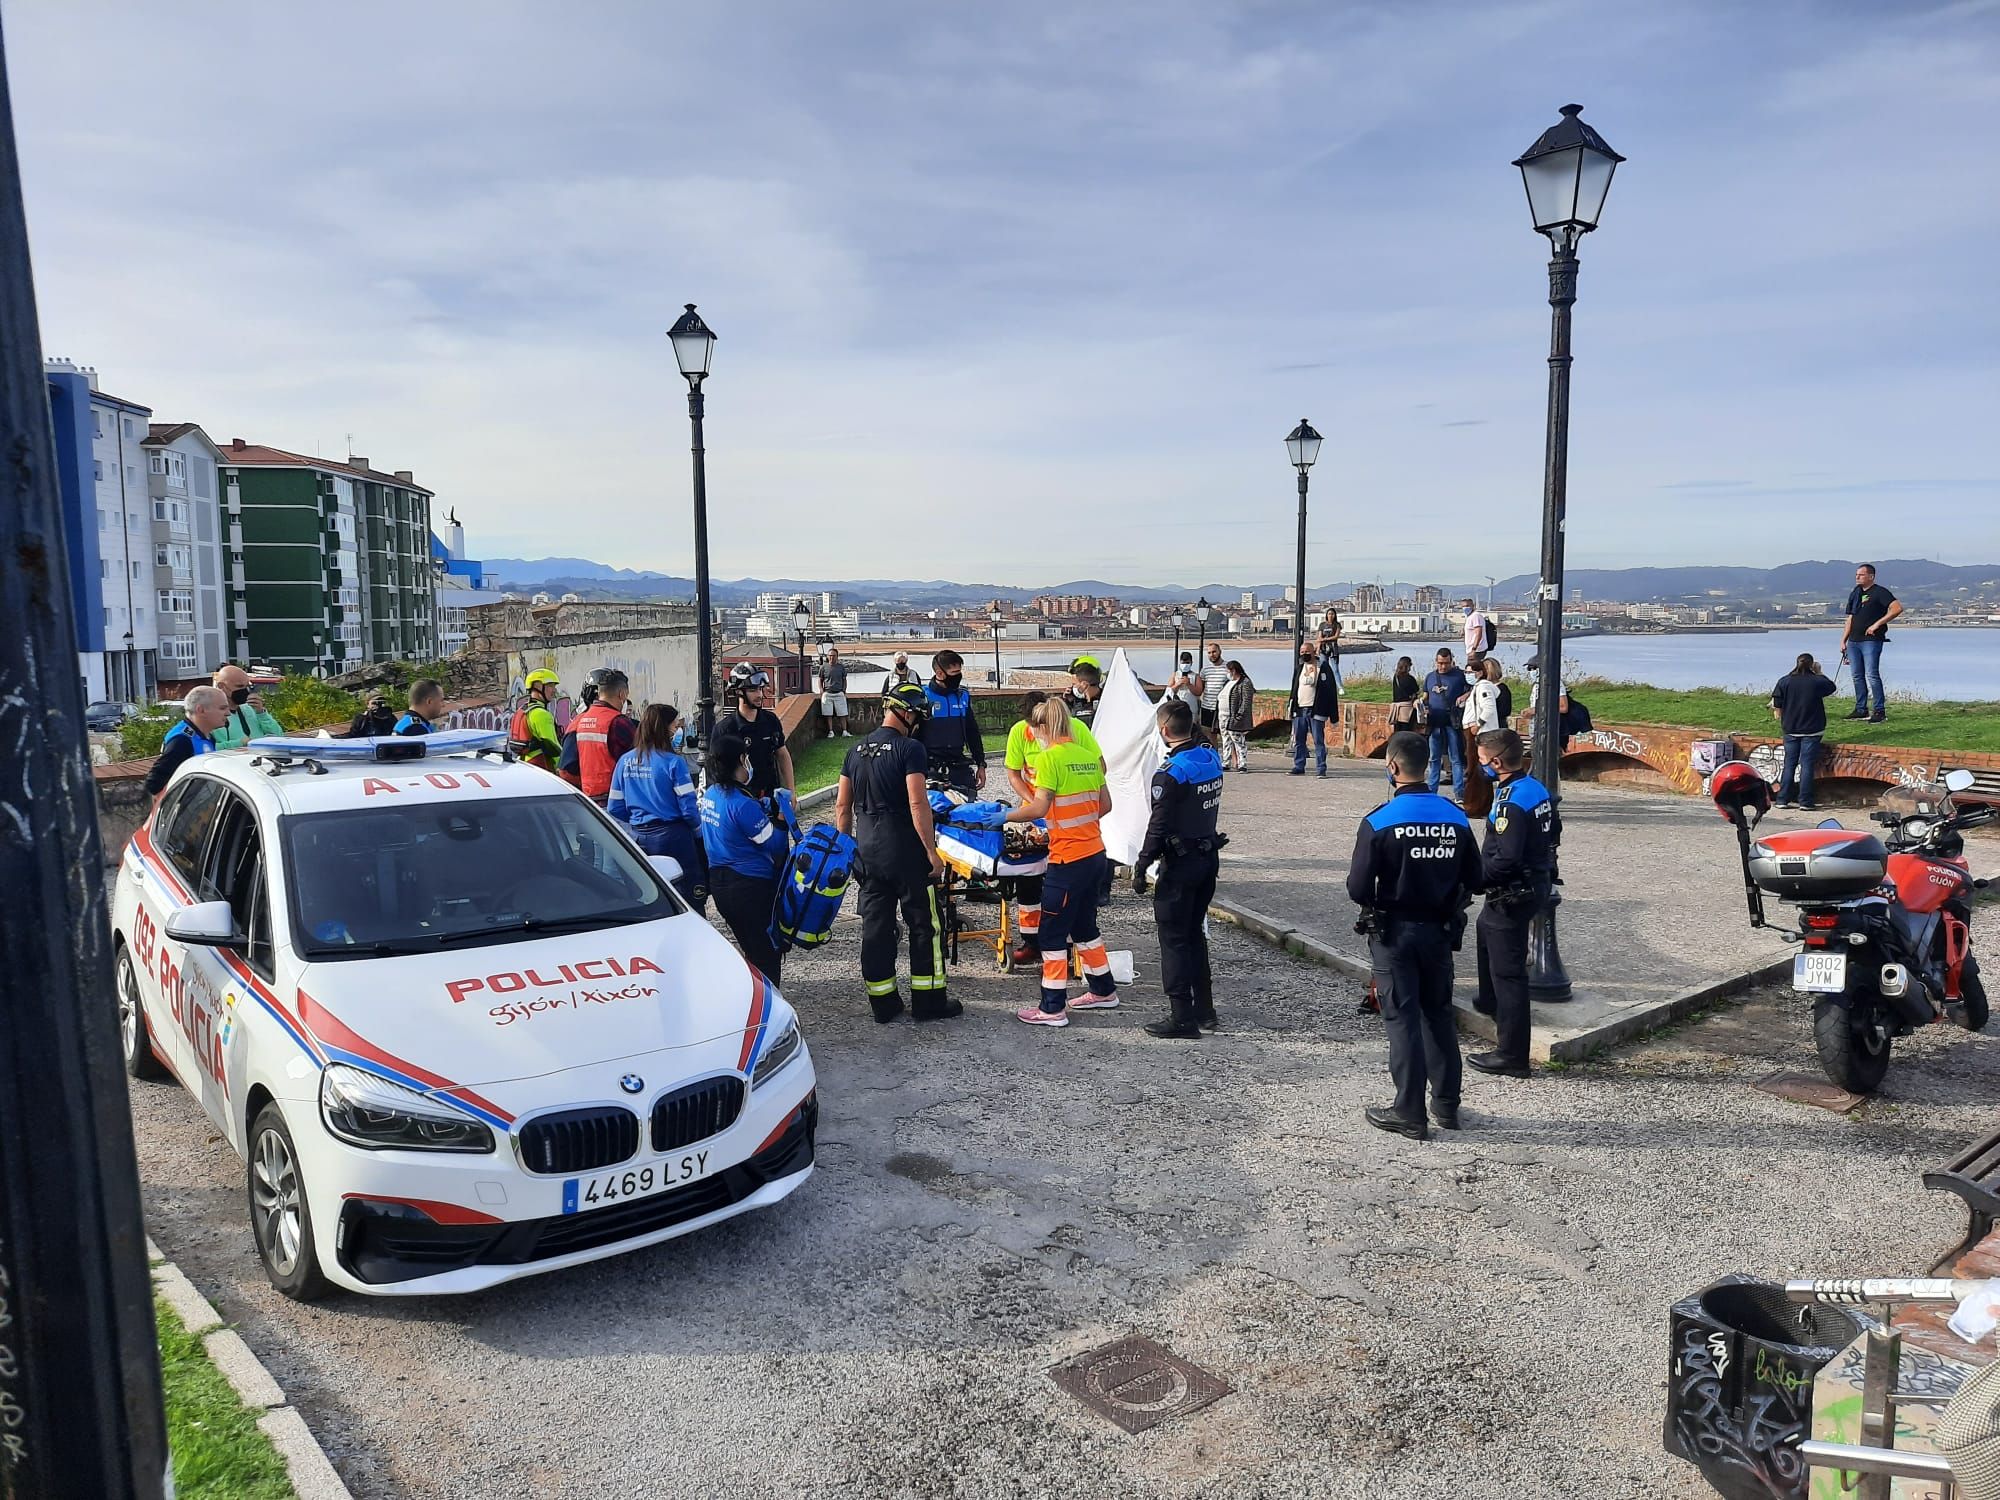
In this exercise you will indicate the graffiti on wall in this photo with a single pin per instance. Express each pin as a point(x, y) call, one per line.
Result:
point(1674, 762)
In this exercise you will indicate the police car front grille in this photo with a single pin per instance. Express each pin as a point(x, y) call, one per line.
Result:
point(696, 1112)
point(579, 1140)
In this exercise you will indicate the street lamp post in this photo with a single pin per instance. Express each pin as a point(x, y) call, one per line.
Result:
point(319, 656)
point(801, 617)
point(1201, 610)
point(1302, 444)
point(993, 618)
point(1567, 173)
point(694, 345)
point(1178, 621)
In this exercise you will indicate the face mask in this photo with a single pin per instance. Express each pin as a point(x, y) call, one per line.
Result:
point(240, 695)
point(680, 737)
point(1389, 776)
point(951, 683)
point(1492, 774)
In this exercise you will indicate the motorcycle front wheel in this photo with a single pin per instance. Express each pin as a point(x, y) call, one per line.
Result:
point(1972, 991)
point(1853, 1045)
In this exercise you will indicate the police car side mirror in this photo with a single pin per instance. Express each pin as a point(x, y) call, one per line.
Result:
point(665, 866)
point(207, 924)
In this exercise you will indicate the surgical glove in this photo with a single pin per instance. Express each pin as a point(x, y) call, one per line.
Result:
point(1139, 881)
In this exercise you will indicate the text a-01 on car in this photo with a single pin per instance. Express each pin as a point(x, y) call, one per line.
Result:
point(457, 1026)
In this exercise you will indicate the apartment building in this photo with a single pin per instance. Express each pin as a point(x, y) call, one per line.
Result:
point(100, 474)
point(329, 562)
point(187, 580)
point(460, 586)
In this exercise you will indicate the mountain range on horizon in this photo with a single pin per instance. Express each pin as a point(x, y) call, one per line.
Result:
point(1916, 580)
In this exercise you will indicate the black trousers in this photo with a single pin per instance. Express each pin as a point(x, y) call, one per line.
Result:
point(745, 903)
point(1413, 980)
point(1180, 904)
point(881, 892)
point(1503, 974)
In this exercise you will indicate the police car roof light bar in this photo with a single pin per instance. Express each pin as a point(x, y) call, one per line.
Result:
point(382, 747)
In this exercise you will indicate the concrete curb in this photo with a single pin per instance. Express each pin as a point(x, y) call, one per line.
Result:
point(812, 801)
point(312, 1475)
point(1571, 1047)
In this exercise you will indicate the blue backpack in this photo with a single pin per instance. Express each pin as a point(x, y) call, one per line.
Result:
point(811, 887)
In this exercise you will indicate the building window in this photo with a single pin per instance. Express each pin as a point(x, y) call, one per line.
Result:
point(131, 428)
point(159, 510)
point(156, 463)
point(138, 614)
point(135, 570)
point(97, 421)
point(98, 465)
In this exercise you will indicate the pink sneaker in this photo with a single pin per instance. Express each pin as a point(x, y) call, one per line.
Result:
point(1034, 1015)
point(1087, 1001)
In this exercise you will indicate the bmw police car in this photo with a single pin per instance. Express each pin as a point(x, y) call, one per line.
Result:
point(458, 1027)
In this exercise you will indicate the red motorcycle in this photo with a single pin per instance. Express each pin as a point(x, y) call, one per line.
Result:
point(1884, 924)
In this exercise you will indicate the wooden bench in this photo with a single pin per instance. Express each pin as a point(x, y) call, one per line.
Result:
point(1974, 1175)
point(1985, 784)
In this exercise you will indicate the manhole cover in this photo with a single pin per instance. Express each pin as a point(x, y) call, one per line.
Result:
point(1801, 1089)
point(1137, 1384)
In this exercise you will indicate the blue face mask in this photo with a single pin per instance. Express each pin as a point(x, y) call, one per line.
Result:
point(680, 737)
point(1390, 776)
point(1491, 774)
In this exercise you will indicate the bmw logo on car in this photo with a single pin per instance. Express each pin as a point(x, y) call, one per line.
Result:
point(632, 1083)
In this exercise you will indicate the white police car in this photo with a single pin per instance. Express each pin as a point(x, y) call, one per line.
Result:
point(459, 1028)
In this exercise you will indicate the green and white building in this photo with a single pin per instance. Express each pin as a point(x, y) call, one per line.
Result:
point(328, 563)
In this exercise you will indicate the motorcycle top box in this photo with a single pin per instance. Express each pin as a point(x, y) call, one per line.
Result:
point(1818, 864)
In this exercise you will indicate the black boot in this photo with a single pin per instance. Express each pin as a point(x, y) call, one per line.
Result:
point(886, 1007)
point(1178, 1026)
point(1446, 1115)
point(1207, 1019)
point(1493, 1062)
point(935, 1006)
point(1395, 1124)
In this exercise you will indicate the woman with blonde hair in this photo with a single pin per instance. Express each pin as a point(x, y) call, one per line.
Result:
point(1070, 793)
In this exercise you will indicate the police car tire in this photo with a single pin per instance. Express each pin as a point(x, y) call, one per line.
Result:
point(303, 1282)
point(1856, 1062)
point(135, 1041)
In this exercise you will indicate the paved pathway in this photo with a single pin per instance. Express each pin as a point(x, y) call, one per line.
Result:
point(1652, 895)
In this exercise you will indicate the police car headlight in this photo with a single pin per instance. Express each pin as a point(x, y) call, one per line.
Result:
point(784, 1047)
point(365, 1110)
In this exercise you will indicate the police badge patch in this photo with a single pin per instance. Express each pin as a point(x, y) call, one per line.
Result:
point(1158, 791)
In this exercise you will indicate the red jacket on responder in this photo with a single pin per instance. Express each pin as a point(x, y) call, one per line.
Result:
point(596, 738)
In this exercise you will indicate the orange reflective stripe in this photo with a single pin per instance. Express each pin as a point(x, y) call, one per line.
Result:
point(1030, 918)
point(1055, 971)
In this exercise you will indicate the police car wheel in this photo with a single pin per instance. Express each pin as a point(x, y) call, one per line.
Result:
point(134, 1040)
point(280, 1217)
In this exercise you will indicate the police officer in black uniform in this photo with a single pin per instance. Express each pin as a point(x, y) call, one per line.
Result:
point(951, 733)
point(884, 802)
point(1415, 868)
point(1519, 861)
point(1181, 839)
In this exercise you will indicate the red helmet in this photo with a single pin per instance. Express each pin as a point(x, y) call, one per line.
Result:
point(1737, 789)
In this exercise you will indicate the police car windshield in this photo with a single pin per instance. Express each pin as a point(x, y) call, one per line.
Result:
point(388, 880)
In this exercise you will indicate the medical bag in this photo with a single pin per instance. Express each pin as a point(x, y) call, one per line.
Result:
point(811, 887)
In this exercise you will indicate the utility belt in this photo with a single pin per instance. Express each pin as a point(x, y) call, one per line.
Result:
point(1527, 890)
point(1385, 924)
point(1180, 848)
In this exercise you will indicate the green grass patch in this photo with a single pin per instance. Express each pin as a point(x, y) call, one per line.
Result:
point(217, 1450)
point(1932, 726)
point(819, 764)
point(1936, 726)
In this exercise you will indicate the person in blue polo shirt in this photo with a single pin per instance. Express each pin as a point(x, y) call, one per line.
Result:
point(426, 704)
point(205, 710)
point(652, 793)
point(747, 845)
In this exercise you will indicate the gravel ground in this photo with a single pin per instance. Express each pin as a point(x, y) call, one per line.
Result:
point(1480, 1316)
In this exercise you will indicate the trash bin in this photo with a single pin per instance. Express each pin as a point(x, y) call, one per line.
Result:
point(1740, 1374)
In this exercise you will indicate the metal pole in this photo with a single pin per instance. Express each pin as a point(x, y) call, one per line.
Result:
point(1299, 602)
point(704, 644)
point(996, 657)
point(80, 1409)
point(1547, 980)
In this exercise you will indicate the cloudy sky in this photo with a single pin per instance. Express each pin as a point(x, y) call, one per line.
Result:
point(1031, 292)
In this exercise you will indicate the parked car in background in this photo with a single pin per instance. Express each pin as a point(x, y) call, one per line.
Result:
point(104, 718)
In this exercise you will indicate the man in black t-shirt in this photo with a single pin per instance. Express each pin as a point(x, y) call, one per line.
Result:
point(753, 722)
point(884, 802)
point(1799, 702)
point(1870, 608)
